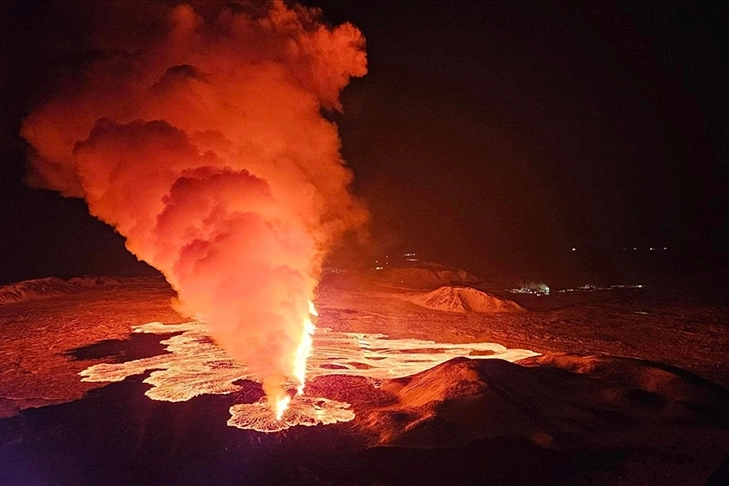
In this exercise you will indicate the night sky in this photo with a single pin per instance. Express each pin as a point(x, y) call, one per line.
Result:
point(493, 136)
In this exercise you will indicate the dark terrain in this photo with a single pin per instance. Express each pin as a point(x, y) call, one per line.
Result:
point(114, 434)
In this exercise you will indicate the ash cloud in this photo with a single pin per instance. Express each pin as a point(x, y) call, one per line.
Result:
point(201, 141)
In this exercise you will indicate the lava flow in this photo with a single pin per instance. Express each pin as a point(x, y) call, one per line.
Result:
point(194, 365)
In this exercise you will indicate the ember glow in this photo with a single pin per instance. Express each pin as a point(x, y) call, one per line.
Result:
point(194, 366)
point(203, 144)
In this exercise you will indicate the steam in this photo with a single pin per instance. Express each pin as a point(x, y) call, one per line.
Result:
point(205, 147)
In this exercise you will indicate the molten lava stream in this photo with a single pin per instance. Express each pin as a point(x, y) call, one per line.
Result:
point(195, 365)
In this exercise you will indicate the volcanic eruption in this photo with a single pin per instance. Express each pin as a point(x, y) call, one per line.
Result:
point(201, 140)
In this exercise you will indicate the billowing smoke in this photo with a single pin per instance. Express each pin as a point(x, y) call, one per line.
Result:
point(202, 142)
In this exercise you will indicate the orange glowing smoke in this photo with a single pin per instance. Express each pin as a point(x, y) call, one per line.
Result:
point(202, 142)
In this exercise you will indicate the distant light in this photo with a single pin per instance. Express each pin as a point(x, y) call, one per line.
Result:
point(634, 248)
point(665, 248)
point(623, 249)
point(574, 249)
point(652, 248)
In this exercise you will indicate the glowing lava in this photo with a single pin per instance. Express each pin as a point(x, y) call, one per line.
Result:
point(194, 365)
point(304, 349)
point(304, 411)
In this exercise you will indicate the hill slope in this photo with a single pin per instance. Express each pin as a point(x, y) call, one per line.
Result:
point(464, 299)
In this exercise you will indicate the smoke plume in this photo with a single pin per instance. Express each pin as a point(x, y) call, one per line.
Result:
point(201, 141)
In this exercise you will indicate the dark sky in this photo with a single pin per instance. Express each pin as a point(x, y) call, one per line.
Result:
point(488, 135)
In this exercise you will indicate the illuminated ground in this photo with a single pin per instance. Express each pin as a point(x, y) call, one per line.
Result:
point(195, 366)
point(560, 420)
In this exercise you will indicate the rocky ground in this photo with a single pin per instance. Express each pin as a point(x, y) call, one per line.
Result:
point(590, 411)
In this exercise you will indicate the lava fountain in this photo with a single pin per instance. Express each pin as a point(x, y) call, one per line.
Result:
point(281, 402)
point(197, 133)
point(304, 350)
